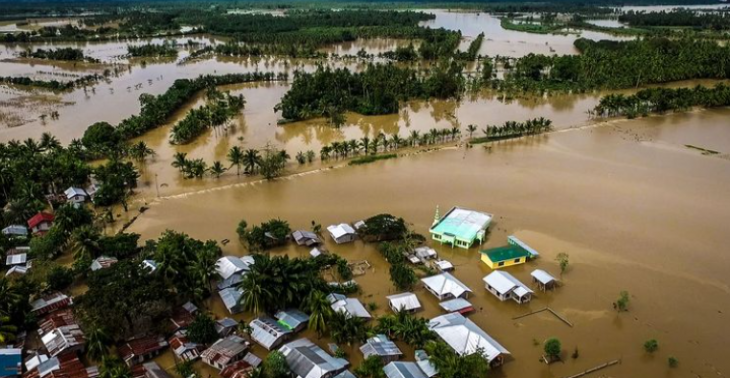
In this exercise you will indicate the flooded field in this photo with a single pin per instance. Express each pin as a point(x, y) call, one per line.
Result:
point(633, 207)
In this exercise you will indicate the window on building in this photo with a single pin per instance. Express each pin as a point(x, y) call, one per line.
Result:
point(517, 260)
point(501, 263)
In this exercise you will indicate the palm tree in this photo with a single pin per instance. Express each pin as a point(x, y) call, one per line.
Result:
point(354, 146)
point(251, 160)
point(7, 331)
point(97, 343)
point(140, 151)
point(365, 144)
point(324, 153)
point(217, 169)
point(204, 267)
point(471, 129)
point(310, 156)
point(319, 311)
point(414, 137)
point(179, 160)
point(85, 243)
point(255, 298)
point(235, 157)
point(49, 142)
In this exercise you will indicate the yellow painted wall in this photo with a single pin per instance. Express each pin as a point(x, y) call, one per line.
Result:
point(510, 262)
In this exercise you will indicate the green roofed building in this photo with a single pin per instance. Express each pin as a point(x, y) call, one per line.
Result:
point(460, 227)
point(508, 255)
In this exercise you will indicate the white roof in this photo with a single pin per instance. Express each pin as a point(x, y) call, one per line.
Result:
point(425, 252)
point(444, 265)
point(340, 230)
point(402, 369)
point(73, 192)
point(404, 301)
point(34, 361)
point(15, 229)
point(542, 276)
point(227, 266)
point(17, 259)
point(465, 337)
point(504, 282)
point(350, 306)
point(315, 252)
point(307, 360)
point(17, 269)
point(445, 283)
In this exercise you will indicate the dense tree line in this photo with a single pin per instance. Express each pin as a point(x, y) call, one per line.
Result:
point(677, 18)
point(259, 50)
point(65, 53)
point(473, 51)
point(439, 44)
point(661, 100)
point(54, 85)
point(219, 109)
point(513, 129)
point(152, 50)
point(376, 90)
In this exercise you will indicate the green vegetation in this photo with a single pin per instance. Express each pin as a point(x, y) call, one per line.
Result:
point(678, 18)
point(273, 233)
point(371, 367)
point(153, 50)
point(372, 158)
point(219, 109)
point(563, 260)
point(472, 52)
point(202, 329)
point(406, 327)
point(401, 274)
point(376, 90)
point(53, 85)
point(673, 362)
point(622, 304)
point(530, 27)
point(451, 365)
point(661, 100)
point(553, 348)
point(513, 129)
point(383, 227)
point(651, 346)
point(66, 54)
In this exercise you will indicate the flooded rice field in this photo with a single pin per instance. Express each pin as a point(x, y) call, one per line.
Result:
point(632, 206)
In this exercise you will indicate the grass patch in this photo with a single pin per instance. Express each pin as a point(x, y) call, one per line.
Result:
point(371, 158)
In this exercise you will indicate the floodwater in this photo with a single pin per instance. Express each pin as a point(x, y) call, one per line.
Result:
point(633, 207)
point(606, 23)
point(660, 8)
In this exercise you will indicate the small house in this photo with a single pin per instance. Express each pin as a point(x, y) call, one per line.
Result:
point(238, 369)
point(102, 262)
point(15, 230)
point(76, 195)
point(460, 305)
point(231, 298)
point(231, 281)
point(350, 306)
point(425, 253)
point(425, 364)
point(400, 369)
point(460, 227)
point(137, 351)
point(153, 370)
point(543, 279)
point(505, 286)
point(49, 303)
point(60, 333)
point(444, 266)
point(16, 259)
point(292, 319)
point(382, 347)
point(11, 362)
point(407, 302)
point(225, 326)
point(316, 252)
point(40, 223)
point(445, 286)
point(184, 349)
point(342, 233)
point(466, 338)
point(268, 333)
point(307, 360)
point(227, 266)
point(183, 316)
point(305, 238)
point(225, 352)
point(66, 365)
point(507, 255)
point(17, 271)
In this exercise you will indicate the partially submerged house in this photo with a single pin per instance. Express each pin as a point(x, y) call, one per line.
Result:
point(152, 370)
point(227, 266)
point(40, 223)
point(50, 302)
point(425, 364)
point(67, 365)
point(139, 350)
point(60, 333)
point(466, 338)
point(307, 360)
point(305, 238)
point(15, 230)
point(293, 319)
point(382, 347)
point(342, 233)
point(543, 279)
point(425, 253)
point(505, 286)
point(507, 255)
point(460, 305)
point(225, 326)
point(350, 306)
point(444, 266)
point(225, 352)
point(401, 369)
point(407, 302)
point(238, 369)
point(184, 349)
point(103, 262)
point(460, 227)
point(231, 298)
point(268, 333)
point(183, 316)
point(76, 195)
point(11, 362)
point(445, 286)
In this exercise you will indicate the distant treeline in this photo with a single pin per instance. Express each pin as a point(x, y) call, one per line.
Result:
point(376, 90)
point(612, 64)
point(678, 18)
point(152, 50)
point(66, 54)
point(661, 100)
point(54, 85)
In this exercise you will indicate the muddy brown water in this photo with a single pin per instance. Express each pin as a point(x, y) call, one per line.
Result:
point(633, 207)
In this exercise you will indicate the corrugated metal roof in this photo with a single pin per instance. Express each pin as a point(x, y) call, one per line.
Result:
point(267, 332)
point(404, 301)
point(542, 276)
point(231, 281)
point(291, 318)
point(425, 364)
point(15, 229)
point(400, 369)
point(465, 337)
point(339, 230)
point(224, 350)
point(345, 374)
point(17, 259)
point(462, 223)
point(456, 304)
point(504, 282)
point(302, 237)
point(380, 346)
point(227, 266)
point(445, 283)
point(350, 306)
point(231, 298)
point(307, 360)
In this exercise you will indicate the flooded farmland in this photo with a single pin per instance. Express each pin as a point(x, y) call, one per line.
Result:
point(634, 207)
